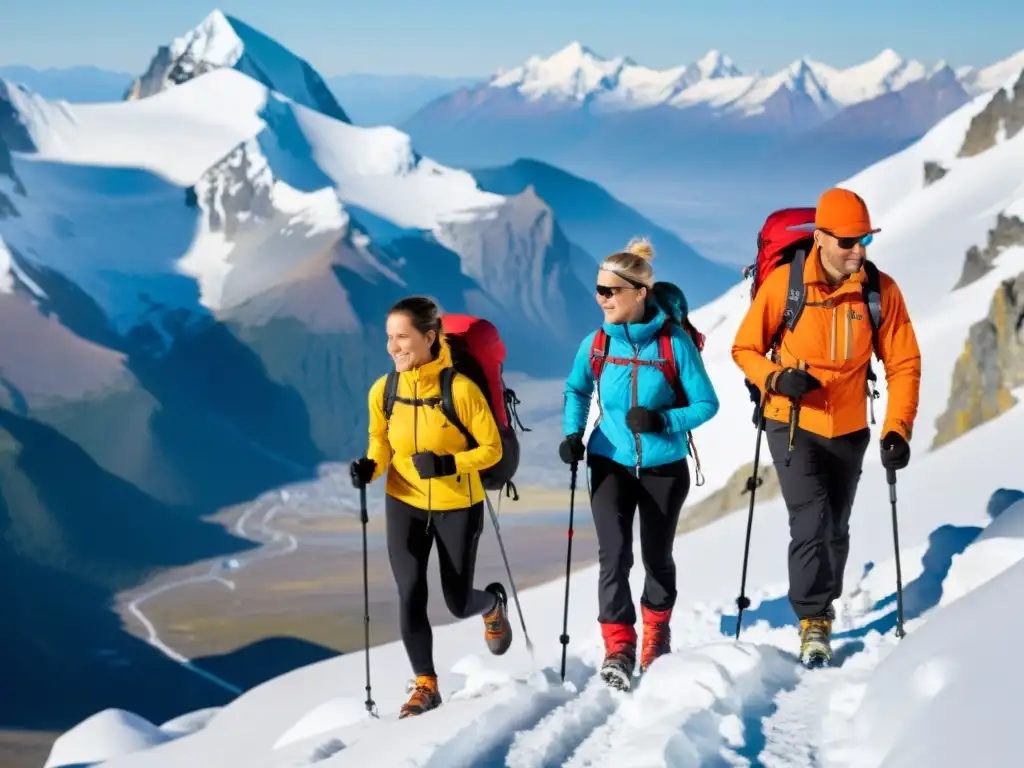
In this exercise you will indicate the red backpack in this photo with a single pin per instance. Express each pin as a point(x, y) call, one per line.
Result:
point(786, 238)
point(478, 353)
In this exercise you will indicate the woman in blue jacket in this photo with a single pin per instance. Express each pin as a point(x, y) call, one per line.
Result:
point(637, 450)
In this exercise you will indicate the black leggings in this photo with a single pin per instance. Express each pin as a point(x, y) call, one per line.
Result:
point(615, 494)
point(457, 533)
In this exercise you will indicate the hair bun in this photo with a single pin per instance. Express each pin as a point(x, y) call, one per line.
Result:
point(641, 246)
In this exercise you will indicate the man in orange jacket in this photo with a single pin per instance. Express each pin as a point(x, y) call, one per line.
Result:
point(820, 368)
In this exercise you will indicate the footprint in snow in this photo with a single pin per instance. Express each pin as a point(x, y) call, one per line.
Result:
point(326, 750)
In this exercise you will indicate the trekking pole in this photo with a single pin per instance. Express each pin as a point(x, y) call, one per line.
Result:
point(508, 570)
point(370, 706)
point(890, 475)
point(743, 602)
point(564, 637)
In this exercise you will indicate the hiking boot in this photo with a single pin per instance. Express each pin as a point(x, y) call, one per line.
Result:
point(816, 641)
point(657, 635)
point(497, 629)
point(619, 655)
point(424, 696)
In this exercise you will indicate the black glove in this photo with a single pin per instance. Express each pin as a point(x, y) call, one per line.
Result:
point(895, 451)
point(640, 419)
point(433, 464)
point(794, 383)
point(572, 449)
point(361, 471)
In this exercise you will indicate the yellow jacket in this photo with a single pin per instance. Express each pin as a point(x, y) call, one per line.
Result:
point(415, 428)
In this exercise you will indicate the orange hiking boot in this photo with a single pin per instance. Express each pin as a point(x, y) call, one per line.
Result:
point(619, 655)
point(425, 696)
point(657, 635)
point(497, 629)
point(816, 641)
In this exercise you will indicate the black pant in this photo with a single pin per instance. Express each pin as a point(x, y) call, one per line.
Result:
point(819, 482)
point(457, 533)
point(615, 494)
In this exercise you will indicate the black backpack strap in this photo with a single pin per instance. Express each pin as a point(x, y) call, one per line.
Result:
point(796, 297)
point(448, 405)
point(390, 393)
point(873, 298)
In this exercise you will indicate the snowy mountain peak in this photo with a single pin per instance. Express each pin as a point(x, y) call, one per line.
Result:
point(573, 73)
point(715, 64)
point(221, 41)
point(886, 59)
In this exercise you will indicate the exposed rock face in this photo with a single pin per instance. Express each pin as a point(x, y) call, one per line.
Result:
point(933, 172)
point(1004, 113)
point(522, 259)
point(732, 496)
point(990, 367)
point(13, 137)
point(1008, 232)
point(237, 190)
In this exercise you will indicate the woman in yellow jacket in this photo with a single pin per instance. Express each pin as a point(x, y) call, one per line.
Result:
point(433, 490)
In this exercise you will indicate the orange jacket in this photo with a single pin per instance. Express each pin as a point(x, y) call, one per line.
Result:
point(833, 339)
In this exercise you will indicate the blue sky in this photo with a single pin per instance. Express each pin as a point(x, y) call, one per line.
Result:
point(462, 37)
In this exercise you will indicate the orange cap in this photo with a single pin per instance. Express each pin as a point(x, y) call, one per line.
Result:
point(843, 213)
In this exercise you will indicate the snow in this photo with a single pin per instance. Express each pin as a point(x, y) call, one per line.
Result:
point(885, 702)
point(577, 75)
point(711, 700)
point(105, 735)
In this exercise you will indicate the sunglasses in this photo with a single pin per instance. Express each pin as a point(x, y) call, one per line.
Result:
point(607, 291)
point(846, 243)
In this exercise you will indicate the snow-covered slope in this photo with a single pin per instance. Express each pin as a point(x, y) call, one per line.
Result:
point(886, 702)
point(223, 41)
point(712, 699)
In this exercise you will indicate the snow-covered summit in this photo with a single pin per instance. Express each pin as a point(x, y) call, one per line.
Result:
point(223, 41)
point(573, 73)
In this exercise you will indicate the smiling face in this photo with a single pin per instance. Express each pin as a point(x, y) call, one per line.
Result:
point(407, 346)
point(620, 301)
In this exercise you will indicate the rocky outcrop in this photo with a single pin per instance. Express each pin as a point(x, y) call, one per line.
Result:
point(520, 257)
point(990, 367)
point(1008, 232)
point(732, 496)
point(933, 172)
point(13, 137)
point(1004, 115)
point(237, 192)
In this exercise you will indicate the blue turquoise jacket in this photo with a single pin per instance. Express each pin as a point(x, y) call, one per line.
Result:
point(611, 437)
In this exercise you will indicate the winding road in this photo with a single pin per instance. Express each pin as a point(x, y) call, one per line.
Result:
point(269, 508)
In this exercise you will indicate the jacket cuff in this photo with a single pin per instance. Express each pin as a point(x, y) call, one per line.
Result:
point(898, 426)
point(446, 464)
